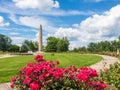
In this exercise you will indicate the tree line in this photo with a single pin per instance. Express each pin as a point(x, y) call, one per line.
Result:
point(102, 46)
point(55, 44)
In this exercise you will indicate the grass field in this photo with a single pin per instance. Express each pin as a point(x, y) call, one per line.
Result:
point(10, 66)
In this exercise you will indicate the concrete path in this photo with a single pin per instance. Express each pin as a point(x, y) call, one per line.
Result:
point(7, 55)
point(98, 66)
point(5, 86)
point(105, 63)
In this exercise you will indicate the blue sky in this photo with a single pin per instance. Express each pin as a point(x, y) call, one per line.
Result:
point(82, 21)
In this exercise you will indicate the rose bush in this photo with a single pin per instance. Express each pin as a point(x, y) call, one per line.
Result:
point(45, 75)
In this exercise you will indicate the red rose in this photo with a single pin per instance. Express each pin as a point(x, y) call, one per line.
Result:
point(12, 85)
point(82, 76)
point(38, 58)
point(102, 85)
point(27, 81)
point(34, 86)
point(57, 62)
point(13, 79)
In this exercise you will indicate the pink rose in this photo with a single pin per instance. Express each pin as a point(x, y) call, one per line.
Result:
point(12, 85)
point(38, 58)
point(102, 85)
point(34, 86)
point(13, 79)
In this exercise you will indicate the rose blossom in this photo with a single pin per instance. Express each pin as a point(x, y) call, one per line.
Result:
point(13, 79)
point(12, 85)
point(38, 58)
point(34, 86)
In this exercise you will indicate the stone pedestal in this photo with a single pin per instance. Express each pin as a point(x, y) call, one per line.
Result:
point(118, 52)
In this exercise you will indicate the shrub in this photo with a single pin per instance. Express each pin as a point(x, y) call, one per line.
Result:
point(45, 75)
point(112, 76)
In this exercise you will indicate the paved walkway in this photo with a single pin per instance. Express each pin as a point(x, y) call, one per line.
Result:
point(105, 63)
point(6, 55)
point(98, 66)
point(5, 86)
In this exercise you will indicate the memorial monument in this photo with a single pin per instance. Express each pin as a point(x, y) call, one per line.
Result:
point(40, 39)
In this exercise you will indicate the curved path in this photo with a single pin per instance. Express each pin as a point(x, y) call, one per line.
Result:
point(7, 55)
point(105, 63)
point(98, 66)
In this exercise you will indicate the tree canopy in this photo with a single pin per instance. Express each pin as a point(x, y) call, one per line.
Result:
point(5, 42)
point(102, 46)
point(29, 46)
point(57, 44)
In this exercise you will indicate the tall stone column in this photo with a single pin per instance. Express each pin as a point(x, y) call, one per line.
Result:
point(40, 39)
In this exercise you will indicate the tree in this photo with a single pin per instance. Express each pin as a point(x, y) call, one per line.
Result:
point(75, 50)
point(5, 42)
point(13, 48)
point(113, 45)
point(92, 47)
point(29, 46)
point(52, 44)
point(57, 44)
point(63, 45)
point(82, 49)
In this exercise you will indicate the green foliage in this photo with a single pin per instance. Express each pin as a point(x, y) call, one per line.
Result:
point(29, 46)
point(13, 48)
point(92, 47)
point(112, 76)
point(56, 44)
point(62, 45)
point(52, 44)
point(5, 42)
point(100, 47)
point(80, 50)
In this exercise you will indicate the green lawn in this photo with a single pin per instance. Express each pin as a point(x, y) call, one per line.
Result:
point(10, 66)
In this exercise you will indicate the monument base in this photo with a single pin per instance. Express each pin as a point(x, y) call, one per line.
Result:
point(39, 52)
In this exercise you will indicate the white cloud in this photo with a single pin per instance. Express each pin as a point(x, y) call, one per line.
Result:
point(2, 23)
point(14, 33)
point(34, 22)
point(13, 10)
point(93, 29)
point(102, 27)
point(41, 4)
point(17, 40)
point(71, 33)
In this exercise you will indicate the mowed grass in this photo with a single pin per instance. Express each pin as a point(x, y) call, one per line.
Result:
point(9, 67)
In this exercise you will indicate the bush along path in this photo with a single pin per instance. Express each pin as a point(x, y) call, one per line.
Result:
point(105, 63)
point(107, 60)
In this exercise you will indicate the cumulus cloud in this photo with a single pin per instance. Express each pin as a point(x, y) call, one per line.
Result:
point(2, 23)
point(71, 33)
point(34, 22)
point(12, 9)
point(93, 29)
point(41, 4)
point(101, 27)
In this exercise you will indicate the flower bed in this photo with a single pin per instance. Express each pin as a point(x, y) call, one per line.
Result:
point(45, 75)
point(112, 76)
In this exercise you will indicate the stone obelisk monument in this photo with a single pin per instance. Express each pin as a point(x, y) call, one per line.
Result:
point(40, 39)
